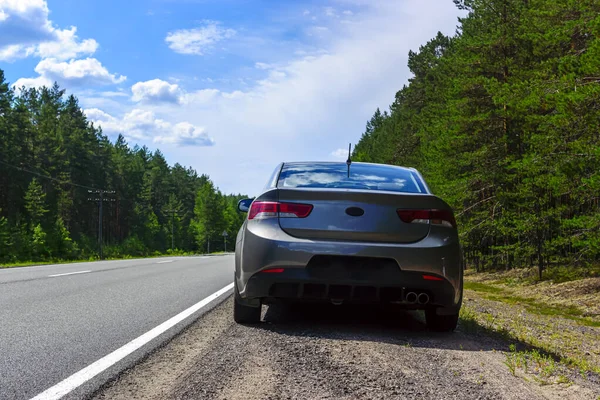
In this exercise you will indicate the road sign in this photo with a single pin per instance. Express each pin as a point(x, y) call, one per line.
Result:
point(224, 233)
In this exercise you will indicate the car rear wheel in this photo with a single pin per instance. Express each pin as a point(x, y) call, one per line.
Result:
point(441, 323)
point(242, 313)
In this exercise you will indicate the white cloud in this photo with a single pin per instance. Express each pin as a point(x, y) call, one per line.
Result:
point(330, 12)
point(95, 115)
point(86, 72)
point(25, 22)
point(186, 134)
point(156, 91)
point(312, 104)
point(141, 124)
point(25, 30)
point(200, 98)
point(262, 65)
point(136, 124)
point(105, 101)
point(340, 154)
point(67, 46)
point(15, 51)
point(112, 93)
point(302, 107)
point(347, 12)
point(197, 40)
point(317, 31)
point(236, 94)
point(275, 76)
point(33, 82)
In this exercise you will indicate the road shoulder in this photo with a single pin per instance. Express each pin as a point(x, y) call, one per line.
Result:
point(331, 353)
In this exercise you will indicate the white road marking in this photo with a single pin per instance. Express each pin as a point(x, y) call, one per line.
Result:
point(164, 262)
point(68, 273)
point(79, 378)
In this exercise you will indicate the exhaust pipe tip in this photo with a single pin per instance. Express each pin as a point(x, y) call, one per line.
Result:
point(411, 297)
point(423, 298)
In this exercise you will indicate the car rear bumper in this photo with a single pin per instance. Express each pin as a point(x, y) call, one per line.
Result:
point(319, 271)
point(297, 285)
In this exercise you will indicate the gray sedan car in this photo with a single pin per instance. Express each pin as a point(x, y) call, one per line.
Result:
point(357, 233)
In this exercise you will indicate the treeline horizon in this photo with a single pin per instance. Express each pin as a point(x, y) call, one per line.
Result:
point(53, 162)
point(503, 120)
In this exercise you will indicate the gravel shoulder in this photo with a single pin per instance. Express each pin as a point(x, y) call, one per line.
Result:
point(561, 319)
point(565, 339)
point(326, 352)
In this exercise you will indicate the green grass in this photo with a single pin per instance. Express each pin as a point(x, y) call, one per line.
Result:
point(499, 294)
point(555, 274)
point(539, 352)
point(559, 274)
point(124, 257)
point(534, 362)
point(483, 287)
point(38, 263)
point(476, 322)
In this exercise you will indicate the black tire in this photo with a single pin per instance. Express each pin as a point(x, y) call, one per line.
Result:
point(244, 314)
point(441, 323)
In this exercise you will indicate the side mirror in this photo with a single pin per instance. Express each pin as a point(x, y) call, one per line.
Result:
point(244, 205)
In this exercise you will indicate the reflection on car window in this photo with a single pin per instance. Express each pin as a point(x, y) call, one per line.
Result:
point(273, 178)
point(335, 175)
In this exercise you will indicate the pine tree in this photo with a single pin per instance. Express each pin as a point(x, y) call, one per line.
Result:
point(147, 226)
point(502, 121)
point(173, 212)
point(35, 203)
point(5, 240)
point(61, 244)
point(39, 245)
point(45, 131)
point(208, 222)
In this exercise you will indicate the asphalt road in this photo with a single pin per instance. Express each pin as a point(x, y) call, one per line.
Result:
point(56, 320)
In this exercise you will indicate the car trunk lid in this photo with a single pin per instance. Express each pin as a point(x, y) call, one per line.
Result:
point(357, 215)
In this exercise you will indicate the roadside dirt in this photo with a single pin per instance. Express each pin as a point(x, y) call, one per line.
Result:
point(582, 294)
point(331, 353)
point(563, 337)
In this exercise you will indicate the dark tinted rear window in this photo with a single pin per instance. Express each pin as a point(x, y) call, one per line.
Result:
point(362, 176)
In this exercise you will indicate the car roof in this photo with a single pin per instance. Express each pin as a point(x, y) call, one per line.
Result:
point(344, 162)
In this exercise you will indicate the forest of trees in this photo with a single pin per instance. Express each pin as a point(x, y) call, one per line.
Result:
point(503, 120)
point(53, 163)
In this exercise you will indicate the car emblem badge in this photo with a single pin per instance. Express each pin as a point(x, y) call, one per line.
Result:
point(355, 211)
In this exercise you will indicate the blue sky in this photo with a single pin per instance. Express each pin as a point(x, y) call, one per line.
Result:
point(228, 87)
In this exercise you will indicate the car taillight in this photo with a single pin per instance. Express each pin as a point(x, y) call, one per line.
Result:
point(294, 210)
point(272, 271)
point(270, 209)
point(263, 209)
point(432, 278)
point(435, 217)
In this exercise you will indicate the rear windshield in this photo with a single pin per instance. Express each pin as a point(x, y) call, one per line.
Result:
point(362, 176)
